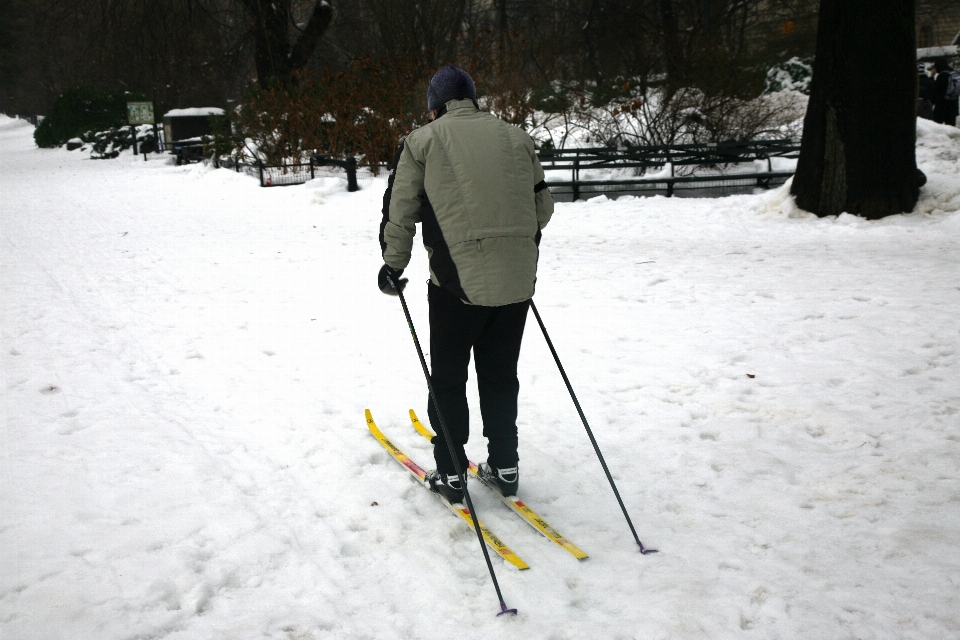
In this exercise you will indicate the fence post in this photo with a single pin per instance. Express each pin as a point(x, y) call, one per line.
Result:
point(576, 176)
point(311, 167)
point(670, 183)
point(351, 167)
point(260, 166)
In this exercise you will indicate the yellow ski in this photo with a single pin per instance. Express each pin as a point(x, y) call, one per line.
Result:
point(518, 506)
point(491, 539)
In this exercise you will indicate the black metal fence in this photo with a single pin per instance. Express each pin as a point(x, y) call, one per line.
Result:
point(716, 158)
point(285, 175)
point(695, 186)
point(274, 175)
point(696, 169)
point(35, 120)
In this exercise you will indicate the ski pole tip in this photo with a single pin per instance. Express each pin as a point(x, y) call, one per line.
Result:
point(644, 551)
point(503, 609)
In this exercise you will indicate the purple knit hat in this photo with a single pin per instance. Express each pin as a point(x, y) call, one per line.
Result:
point(449, 83)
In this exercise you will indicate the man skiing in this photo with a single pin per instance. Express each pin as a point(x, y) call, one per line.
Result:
point(475, 184)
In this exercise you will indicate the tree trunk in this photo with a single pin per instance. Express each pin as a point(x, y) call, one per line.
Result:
point(671, 45)
point(857, 154)
point(276, 58)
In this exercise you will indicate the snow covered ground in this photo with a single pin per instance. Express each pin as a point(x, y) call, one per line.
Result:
point(186, 358)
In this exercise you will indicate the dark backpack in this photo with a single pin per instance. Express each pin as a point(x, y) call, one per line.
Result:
point(953, 86)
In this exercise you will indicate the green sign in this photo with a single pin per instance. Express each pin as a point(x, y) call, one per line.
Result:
point(140, 113)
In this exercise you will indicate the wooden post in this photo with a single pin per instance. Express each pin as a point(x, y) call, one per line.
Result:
point(351, 166)
point(576, 176)
point(670, 182)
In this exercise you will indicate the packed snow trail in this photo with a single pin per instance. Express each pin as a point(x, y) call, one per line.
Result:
point(186, 359)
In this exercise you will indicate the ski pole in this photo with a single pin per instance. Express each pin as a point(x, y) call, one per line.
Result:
point(453, 453)
point(593, 440)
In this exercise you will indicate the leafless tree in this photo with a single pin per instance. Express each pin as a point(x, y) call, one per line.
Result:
point(282, 44)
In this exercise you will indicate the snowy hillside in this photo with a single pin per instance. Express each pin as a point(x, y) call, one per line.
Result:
point(186, 359)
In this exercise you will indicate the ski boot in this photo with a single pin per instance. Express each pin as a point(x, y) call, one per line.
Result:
point(504, 480)
point(446, 485)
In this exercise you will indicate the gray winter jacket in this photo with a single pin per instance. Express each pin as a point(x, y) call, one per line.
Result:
point(477, 186)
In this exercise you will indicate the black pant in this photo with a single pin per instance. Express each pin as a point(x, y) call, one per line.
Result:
point(945, 111)
point(494, 334)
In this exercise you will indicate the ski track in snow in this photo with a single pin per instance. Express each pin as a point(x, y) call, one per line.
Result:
point(186, 358)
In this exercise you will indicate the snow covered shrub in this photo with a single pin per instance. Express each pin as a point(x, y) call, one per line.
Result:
point(656, 116)
point(361, 111)
point(81, 109)
point(365, 109)
point(506, 91)
point(792, 75)
point(108, 144)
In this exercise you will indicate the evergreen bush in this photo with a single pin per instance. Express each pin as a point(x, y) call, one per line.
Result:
point(79, 110)
point(794, 75)
point(108, 144)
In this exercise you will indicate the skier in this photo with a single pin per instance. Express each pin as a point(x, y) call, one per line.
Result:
point(475, 184)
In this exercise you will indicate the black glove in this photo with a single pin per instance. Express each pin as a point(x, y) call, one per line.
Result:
point(389, 280)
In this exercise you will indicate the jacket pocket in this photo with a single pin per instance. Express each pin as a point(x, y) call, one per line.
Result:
point(497, 271)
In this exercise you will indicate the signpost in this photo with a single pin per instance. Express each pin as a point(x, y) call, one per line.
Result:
point(139, 113)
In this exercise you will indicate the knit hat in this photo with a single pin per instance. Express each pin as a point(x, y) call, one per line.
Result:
point(449, 83)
